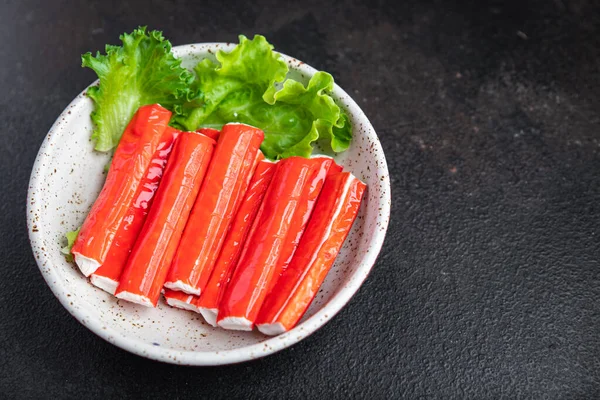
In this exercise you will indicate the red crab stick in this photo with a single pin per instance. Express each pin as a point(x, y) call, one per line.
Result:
point(148, 264)
point(334, 169)
point(210, 132)
point(179, 299)
point(226, 182)
point(246, 290)
point(329, 226)
point(302, 216)
point(129, 164)
point(107, 276)
point(208, 302)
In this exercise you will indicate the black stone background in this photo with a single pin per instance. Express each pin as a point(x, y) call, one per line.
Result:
point(488, 284)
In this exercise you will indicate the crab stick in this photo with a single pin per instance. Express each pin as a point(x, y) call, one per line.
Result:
point(334, 169)
point(302, 216)
point(178, 299)
point(210, 132)
point(209, 299)
point(247, 289)
point(107, 276)
point(329, 226)
point(148, 264)
point(129, 164)
point(226, 182)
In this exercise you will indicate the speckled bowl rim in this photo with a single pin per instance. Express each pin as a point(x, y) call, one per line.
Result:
point(254, 351)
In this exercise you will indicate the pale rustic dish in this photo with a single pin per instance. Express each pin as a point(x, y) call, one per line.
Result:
point(66, 178)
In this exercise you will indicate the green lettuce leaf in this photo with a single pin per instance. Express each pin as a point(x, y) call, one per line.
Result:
point(71, 236)
point(242, 87)
point(250, 70)
point(314, 104)
point(141, 71)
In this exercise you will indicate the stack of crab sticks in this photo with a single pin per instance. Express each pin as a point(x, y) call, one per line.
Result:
point(203, 218)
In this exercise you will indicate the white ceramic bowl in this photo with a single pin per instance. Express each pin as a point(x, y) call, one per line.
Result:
point(66, 178)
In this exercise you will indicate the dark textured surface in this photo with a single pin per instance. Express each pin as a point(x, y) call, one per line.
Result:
point(488, 285)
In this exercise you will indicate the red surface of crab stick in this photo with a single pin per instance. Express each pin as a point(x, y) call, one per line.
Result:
point(247, 289)
point(107, 276)
point(181, 300)
point(334, 169)
point(129, 164)
point(210, 132)
point(148, 264)
point(301, 217)
point(208, 302)
point(226, 182)
point(329, 226)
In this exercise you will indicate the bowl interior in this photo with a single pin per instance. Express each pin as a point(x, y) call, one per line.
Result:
point(66, 179)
